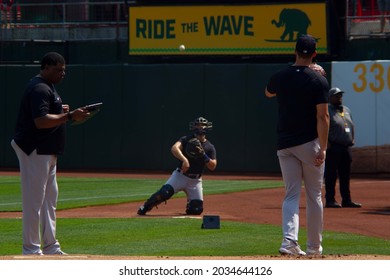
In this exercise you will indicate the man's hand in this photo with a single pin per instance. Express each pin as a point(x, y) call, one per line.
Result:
point(66, 108)
point(320, 158)
point(79, 114)
point(185, 166)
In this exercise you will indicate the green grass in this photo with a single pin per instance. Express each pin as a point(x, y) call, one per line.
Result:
point(163, 236)
point(180, 237)
point(81, 192)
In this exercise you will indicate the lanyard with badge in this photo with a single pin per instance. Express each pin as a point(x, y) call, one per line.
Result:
point(347, 129)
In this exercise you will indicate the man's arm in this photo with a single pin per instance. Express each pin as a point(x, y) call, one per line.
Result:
point(53, 120)
point(176, 150)
point(50, 120)
point(212, 164)
point(322, 131)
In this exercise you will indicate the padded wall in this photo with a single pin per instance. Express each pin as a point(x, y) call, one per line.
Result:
point(148, 107)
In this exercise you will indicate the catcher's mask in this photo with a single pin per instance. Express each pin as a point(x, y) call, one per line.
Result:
point(201, 126)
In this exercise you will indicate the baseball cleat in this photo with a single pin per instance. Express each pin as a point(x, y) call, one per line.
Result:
point(313, 251)
point(290, 247)
point(142, 211)
point(60, 252)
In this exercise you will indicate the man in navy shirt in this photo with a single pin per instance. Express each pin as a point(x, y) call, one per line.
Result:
point(303, 125)
point(38, 139)
point(187, 177)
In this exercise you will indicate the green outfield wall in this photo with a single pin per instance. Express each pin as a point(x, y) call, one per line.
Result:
point(147, 107)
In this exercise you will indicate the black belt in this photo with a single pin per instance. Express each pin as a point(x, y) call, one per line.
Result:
point(189, 175)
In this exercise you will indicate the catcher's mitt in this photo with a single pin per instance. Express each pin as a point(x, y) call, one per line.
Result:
point(194, 148)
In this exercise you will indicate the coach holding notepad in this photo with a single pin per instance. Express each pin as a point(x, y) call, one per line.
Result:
point(38, 139)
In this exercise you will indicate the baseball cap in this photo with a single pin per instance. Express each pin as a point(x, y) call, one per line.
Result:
point(334, 91)
point(306, 44)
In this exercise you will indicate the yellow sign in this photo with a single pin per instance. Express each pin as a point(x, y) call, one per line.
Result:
point(224, 29)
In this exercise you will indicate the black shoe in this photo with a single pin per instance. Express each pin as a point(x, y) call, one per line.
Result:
point(333, 204)
point(142, 211)
point(351, 204)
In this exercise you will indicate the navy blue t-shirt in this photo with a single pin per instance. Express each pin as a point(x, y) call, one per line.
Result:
point(39, 99)
point(197, 164)
point(298, 90)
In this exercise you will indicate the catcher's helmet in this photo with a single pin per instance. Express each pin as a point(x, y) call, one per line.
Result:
point(201, 125)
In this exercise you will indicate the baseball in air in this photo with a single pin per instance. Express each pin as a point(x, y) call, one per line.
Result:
point(182, 48)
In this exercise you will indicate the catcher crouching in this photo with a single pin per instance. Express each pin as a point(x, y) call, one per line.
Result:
point(194, 153)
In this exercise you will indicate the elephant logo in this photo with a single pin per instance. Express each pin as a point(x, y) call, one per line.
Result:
point(293, 21)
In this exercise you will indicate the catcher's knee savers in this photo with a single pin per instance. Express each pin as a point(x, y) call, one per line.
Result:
point(158, 197)
point(194, 207)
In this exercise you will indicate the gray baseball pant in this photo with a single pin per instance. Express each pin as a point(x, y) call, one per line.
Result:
point(192, 187)
point(39, 201)
point(297, 166)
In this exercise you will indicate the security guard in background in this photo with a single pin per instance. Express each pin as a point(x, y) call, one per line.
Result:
point(338, 155)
